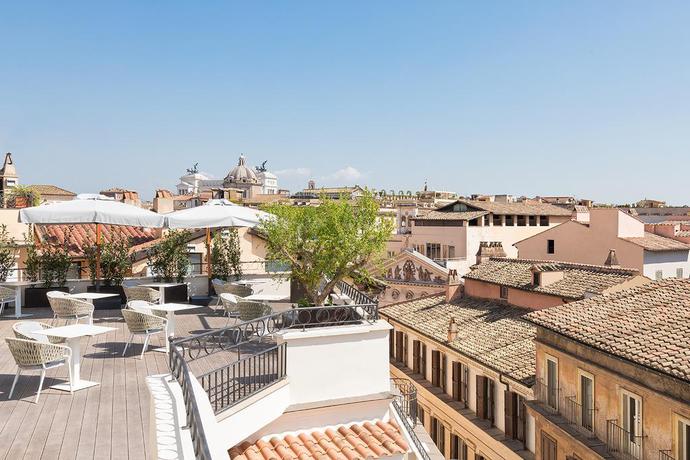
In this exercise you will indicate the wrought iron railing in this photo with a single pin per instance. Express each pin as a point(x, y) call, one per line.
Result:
point(180, 371)
point(623, 444)
point(666, 455)
point(405, 405)
point(357, 296)
point(582, 417)
point(549, 396)
point(229, 385)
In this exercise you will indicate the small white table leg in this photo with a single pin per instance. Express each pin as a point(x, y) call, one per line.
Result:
point(75, 364)
point(18, 299)
point(169, 331)
point(162, 291)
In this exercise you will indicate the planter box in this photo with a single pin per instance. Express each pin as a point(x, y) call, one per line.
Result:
point(35, 297)
point(110, 303)
point(175, 294)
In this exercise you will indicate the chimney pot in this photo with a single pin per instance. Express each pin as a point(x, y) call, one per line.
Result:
point(452, 330)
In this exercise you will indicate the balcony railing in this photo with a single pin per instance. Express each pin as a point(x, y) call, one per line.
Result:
point(623, 444)
point(405, 405)
point(549, 396)
point(580, 416)
point(666, 455)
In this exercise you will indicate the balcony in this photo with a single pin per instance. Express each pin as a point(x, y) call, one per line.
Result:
point(666, 455)
point(581, 417)
point(623, 444)
point(549, 396)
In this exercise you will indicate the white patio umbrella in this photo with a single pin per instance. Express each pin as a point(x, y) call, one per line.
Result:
point(91, 209)
point(215, 214)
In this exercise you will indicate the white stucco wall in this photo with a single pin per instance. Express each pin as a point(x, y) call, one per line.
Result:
point(668, 262)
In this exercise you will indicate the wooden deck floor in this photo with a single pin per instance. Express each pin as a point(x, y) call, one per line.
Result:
point(108, 421)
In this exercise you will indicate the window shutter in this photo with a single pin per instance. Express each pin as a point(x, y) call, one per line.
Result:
point(391, 344)
point(510, 411)
point(481, 396)
point(444, 372)
point(435, 363)
point(465, 382)
point(422, 360)
point(456, 381)
point(404, 351)
point(415, 355)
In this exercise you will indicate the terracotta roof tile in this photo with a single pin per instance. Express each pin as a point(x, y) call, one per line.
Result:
point(80, 236)
point(521, 208)
point(450, 215)
point(649, 325)
point(354, 442)
point(491, 333)
point(653, 242)
point(577, 278)
point(45, 189)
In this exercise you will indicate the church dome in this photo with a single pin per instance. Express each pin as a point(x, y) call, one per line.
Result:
point(242, 173)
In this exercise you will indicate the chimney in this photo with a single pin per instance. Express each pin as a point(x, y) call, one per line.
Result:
point(489, 249)
point(452, 330)
point(454, 286)
point(612, 260)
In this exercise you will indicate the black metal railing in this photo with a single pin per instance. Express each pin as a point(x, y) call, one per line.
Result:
point(231, 384)
point(405, 405)
point(666, 455)
point(623, 444)
point(357, 296)
point(549, 396)
point(180, 371)
point(582, 417)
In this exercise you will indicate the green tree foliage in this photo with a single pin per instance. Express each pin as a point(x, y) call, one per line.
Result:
point(335, 240)
point(116, 261)
point(225, 255)
point(8, 252)
point(169, 259)
point(32, 265)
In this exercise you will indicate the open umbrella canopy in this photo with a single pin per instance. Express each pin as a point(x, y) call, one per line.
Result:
point(214, 214)
point(91, 209)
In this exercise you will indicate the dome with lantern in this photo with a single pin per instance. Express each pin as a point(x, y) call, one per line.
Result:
point(242, 174)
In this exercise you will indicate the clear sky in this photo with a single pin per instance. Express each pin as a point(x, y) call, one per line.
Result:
point(585, 98)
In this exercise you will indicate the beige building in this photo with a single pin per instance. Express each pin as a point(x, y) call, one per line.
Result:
point(410, 275)
point(613, 376)
point(590, 242)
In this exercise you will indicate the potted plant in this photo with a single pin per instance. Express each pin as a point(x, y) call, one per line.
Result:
point(50, 263)
point(22, 196)
point(169, 262)
point(326, 244)
point(116, 263)
point(8, 253)
point(225, 256)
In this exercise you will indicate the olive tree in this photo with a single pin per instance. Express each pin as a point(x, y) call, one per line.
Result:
point(325, 244)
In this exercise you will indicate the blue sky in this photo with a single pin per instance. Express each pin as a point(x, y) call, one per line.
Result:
point(587, 98)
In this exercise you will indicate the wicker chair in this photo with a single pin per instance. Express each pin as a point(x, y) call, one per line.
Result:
point(250, 309)
point(142, 293)
point(230, 304)
point(144, 324)
point(34, 355)
point(68, 308)
point(224, 287)
point(146, 307)
point(7, 295)
point(26, 330)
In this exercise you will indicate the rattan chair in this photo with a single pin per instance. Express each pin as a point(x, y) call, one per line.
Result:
point(146, 307)
point(225, 287)
point(250, 309)
point(144, 324)
point(142, 293)
point(34, 355)
point(26, 330)
point(7, 296)
point(230, 304)
point(69, 308)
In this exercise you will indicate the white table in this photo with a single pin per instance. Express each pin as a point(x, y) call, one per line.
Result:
point(251, 282)
point(170, 309)
point(73, 334)
point(18, 297)
point(266, 297)
point(161, 287)
point(91, 296)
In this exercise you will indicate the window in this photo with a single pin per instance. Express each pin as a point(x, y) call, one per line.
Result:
point(631, 415)
point(658, 275)
point(683, 440)
point(438, 369)
point(536, 278)
point(422, 359)
point(416, 358)
point(196, 264)
point(585, 398)
point(504, 292)
point(399, 342)
point(498, 220)
point(433, 250)
point(510, 221)
point(461, 376)
point(451, 252)
point(485, 398)
point(521, 221)
point(420, 414)
point(532, 221)
point(551, 379)
point(544, 221)
point(679, 272)
point(458, 448)
point(487, 219)
point(438, 434)
point(515, 418)
point(444, 372)
point(550, 246)
point(549, 448)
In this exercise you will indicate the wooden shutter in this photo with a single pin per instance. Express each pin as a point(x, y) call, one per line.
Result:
point(481, 396)
point(456, 380)
point(510, 412)
point(465, 383)
point(398, 346)
point(444, 371)
point(422, 360)
point(435, 367)
point(491, 400)
point(415, 355)
point(391, 344)
point(404, 353)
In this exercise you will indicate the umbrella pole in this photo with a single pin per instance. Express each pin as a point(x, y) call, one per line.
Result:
point(208, 258)
point(98, 256)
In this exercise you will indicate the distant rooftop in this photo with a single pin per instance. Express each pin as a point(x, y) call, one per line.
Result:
point(45, 189)
point(530, 208)
point(654, 242)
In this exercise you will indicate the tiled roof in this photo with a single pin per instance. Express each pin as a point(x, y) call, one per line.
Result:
point(44, 189)
point(683, 233)
point(577, 278)
point(440, 215)
point(80, 236)
point(531, 208)
point(653, 242)
point(649, 325)
point(356, 442)
point(490, 333)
